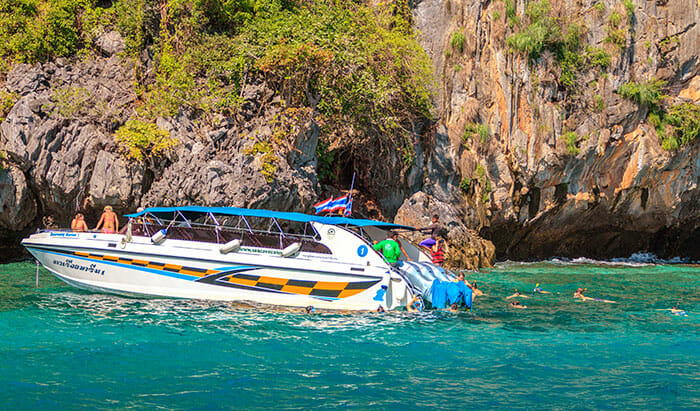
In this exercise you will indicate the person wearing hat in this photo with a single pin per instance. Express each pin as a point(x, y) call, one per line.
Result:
point(108, 221)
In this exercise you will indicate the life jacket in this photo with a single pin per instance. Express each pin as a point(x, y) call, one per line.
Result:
point(438, 256)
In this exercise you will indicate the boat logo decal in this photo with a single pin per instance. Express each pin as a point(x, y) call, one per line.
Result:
point(362, 250)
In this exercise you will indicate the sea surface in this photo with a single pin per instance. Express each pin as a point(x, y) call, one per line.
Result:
point(62, 348)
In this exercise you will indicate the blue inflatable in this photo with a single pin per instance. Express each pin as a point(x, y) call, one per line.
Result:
point(446, 293)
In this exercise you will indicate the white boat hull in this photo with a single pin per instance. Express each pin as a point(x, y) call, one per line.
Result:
point(101, 263)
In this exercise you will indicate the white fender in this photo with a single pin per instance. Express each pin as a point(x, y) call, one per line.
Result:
point(159, 236)
point(231, 246)
point(291, 249)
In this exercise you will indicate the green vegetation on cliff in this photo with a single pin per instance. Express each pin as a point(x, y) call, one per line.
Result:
point(676, 125)
point(358, 67)
point(141, 140)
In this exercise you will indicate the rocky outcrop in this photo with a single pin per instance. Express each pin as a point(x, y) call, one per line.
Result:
point(466, 249)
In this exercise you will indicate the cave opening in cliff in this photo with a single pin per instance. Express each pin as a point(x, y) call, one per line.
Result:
point(336, 168)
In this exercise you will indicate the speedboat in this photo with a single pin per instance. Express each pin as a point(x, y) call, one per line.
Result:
point(239, 254)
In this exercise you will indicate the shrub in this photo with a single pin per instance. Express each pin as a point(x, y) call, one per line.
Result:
point(143, 140)
point(72, 102)
point(457, 41)
point(465, 184)
point(647, 94)
point(511, 14)
point(615, 19)
point(679, 126)
point(36, 30)
point(599, 57)
point(616, 37)
point(496, 15)
point(480, 173)
point(268, 159)
point(571, 139)
point(487, 191)
point(629, 7)
point(598, 103)
point(546, 32)
point(599, 6)
point(483, 131)
point(7, 101)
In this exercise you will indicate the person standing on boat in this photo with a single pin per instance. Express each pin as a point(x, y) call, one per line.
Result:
point(390, 248)
point(434, 228)
point(78, 223)
point(108, 221)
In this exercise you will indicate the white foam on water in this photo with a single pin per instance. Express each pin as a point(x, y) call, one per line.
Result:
point(640, 259)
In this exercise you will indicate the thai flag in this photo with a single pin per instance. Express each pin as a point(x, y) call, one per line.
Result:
point(324, 206)
point(339, 204)
point(348, 207)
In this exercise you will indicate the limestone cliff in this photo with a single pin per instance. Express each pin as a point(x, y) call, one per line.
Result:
point(540, 158)
point(565, 166)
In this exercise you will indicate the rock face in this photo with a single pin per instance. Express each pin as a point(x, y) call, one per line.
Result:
point(617, 191)
point(494, 162)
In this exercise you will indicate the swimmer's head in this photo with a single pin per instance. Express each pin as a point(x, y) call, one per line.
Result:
point(474, 285)
point(310, 309)
point(460, 276)
point(108, 208)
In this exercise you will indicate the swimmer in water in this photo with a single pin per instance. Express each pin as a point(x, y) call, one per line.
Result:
point(516, 304)
point(415, 305)
point(539, 290)
point(475, 290)
point(454, 308)
point(517, 294)
point(677, 311)
point(579, 294)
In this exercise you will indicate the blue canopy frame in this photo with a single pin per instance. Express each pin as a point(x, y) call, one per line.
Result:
point(191, 212)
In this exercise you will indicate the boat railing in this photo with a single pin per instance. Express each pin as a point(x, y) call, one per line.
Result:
point(223, 234)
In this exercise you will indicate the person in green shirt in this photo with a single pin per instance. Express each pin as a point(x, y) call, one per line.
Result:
point(390, 248)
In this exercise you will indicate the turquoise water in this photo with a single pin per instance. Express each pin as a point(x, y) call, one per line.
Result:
point(65, 348)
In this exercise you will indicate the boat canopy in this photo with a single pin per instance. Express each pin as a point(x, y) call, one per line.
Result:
point(191, 212)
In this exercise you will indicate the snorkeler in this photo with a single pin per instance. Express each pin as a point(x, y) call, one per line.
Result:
point(516, 304)
point(539, 290)
point(579, 294)
point(517, 294)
